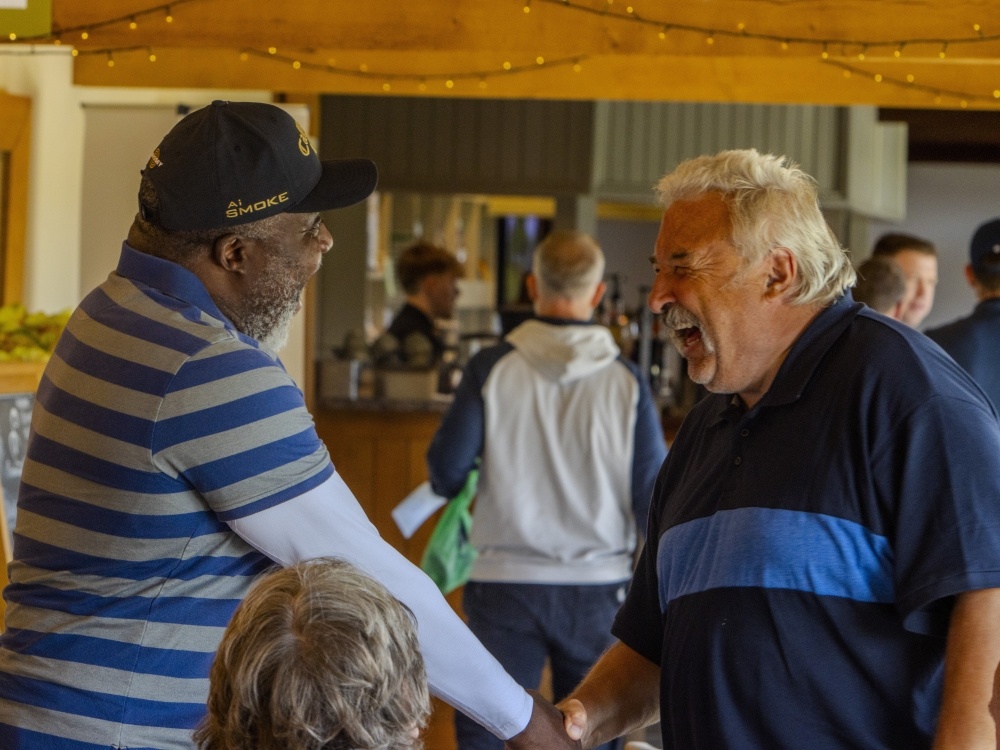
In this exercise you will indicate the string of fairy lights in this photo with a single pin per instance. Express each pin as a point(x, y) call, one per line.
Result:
point(836, 52)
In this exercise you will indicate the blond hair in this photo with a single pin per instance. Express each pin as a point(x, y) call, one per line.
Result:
point(772, 203)
point(317, 657)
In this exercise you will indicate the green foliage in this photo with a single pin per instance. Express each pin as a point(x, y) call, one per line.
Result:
point(29, 337)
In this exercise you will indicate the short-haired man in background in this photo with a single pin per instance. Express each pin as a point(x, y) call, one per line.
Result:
point(823, 562)
point(570, 442)
point(882, 286)
point(429, 277)
point(318, 655)
point(918, 259)
point(974, 341)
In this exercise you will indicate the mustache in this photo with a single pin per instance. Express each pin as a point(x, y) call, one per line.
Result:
point(677, 317)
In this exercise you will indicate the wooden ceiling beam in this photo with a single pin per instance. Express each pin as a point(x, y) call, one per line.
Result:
point(398, 44)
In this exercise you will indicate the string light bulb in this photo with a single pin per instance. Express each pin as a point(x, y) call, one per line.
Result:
point(169, 17)
point(878, 78)
point(422, 86)
point(826, 52)
point(506, 65)
point(996, 94)
point(864, 50)
point(784, 45)
point(12, 36)
point(152, 55)
point(244, 57)
point(944, 50)
point(272, 50)
point(910, 78)
point(75, 52)
point(386, 86)
point(527, 6)
point(577, 67)
point(296, 64)
point(449, 84)
point(540, 60)
point(111, 60)
point(482, 83)
point(85, 35)
point(132, 24)
point(710, 40)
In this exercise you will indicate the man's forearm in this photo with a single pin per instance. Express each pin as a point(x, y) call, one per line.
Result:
point(970, 664)
point(620, 694)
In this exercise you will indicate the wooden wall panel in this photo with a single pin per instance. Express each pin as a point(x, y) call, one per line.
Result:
point(464, 145)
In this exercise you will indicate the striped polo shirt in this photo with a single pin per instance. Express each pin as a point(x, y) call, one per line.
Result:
point(155, 423)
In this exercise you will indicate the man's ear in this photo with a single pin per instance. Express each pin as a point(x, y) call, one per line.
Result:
point(229, 253)
point(598, 295)
point(531, 286)
point(783, 270)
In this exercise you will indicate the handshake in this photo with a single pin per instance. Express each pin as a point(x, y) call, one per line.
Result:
point(551, 728)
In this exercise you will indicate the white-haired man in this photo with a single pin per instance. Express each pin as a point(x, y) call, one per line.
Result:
point(570, 442)
point(824, 548)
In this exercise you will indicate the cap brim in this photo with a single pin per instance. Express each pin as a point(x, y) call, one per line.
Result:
point(343, 183)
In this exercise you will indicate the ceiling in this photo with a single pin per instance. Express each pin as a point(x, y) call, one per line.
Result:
point(934, 54)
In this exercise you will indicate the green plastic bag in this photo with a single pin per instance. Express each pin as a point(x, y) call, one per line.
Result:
point(449, 554)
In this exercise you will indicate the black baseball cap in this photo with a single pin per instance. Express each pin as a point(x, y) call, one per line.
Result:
point(235, 162)
point(984, 250)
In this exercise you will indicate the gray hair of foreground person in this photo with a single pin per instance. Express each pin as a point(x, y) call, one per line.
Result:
point(772, 203)
point(318, 656)
point(568, 264)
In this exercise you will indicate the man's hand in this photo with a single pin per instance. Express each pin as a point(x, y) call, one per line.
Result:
point(545, 730)
point(575, 718)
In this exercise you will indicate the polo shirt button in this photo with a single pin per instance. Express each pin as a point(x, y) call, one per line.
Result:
point(744, 432)
point(738, 461)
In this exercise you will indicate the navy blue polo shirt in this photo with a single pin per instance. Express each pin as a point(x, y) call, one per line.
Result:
point(974, 342)
point(798, 590)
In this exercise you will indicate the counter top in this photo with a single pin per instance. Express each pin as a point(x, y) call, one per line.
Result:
point(436, 404)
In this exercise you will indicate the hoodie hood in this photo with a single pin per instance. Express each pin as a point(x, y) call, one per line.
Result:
point(564, 353)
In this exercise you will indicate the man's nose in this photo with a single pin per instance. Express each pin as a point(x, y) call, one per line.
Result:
point(661, 295)
point(325, 239)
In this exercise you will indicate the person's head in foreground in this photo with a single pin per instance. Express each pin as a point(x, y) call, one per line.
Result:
point(319, 656)
point(233, 193)
point(918, 259)
point(882, 286)
point(744, 261)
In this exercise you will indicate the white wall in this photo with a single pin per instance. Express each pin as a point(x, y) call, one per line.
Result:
point(945, 203)
point(60, 265)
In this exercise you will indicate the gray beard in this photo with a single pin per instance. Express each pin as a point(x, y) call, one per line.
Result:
point(270, 324)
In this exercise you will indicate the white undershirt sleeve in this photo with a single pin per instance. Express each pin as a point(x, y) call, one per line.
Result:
point(328, 522)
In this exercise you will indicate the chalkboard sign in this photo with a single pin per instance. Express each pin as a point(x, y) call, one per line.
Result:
point(15, 421)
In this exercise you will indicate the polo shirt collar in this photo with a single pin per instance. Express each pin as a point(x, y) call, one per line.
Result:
point(802, 360)
point(170, 278)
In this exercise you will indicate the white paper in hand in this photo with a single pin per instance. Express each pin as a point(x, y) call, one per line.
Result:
point(416, 508)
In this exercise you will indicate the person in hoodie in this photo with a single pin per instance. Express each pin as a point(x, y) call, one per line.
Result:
point(569, 444)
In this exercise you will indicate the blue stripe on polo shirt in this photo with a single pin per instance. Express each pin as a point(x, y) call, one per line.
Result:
point(179, 610)
point(91, 416)
point(213, 475)
point(279, 497)
point(109, 368)
point(239, 412)
point(100, 306)
point(25, 739)
point(225, 365)
point(102, 652)
point(48, 557)
point(775, 549)
point(97, 470)
point(104, 706)
point(117, 523)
